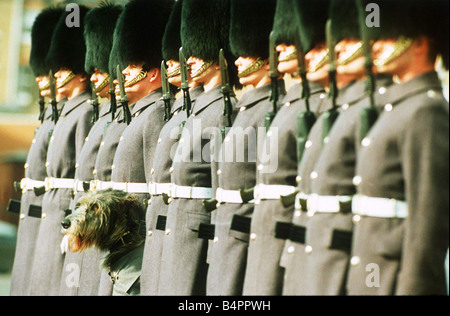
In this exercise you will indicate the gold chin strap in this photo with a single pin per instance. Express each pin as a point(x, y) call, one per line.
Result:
point(141, 75)
point(358, 52)
point(45, 87)
point(102, 84)
point(254, 66)
point(401, 45)
point(291, 56)
point(202, 69)
point(66, 80)
point(320, 64)
point(174, 73)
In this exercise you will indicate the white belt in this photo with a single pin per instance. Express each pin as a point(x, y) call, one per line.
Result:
point(188, 192)
point(272, 192)
point(298, 197)
point(379, 207)
point(130, 187)
point(326, 203)
point(57, 183)
point(229, 196)
point(78, 186)
point(159, 188)
point(27, 184)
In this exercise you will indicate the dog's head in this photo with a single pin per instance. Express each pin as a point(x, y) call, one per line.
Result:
point(102, 219)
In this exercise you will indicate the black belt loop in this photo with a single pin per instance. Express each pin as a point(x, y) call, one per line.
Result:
point(13, 206)
point(345, 207)
point(161, 222)
point(298, 234)
point(283, 230)
point(241, 223)
point(341, 240)
point(206, 231)
point(35, 211)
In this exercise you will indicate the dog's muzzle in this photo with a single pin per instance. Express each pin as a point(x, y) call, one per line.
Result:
point(65, 223)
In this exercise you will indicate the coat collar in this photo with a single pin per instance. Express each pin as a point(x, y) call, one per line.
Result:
point(73, 103)
point(398, 92)
point(207, 98)
point(146, 101)
point(193, 93)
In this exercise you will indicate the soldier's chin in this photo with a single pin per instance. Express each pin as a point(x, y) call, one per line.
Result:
point(45, 93)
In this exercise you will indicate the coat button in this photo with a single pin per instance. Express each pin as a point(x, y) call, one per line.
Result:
point(382, 90)
point(388, 107)
point(150, 233)
point(25, 166)
point(22, 216)
point(171, 170)
point(287, 104)
point(113, 167)
point(43, 215)
point(219, 172)
point(308, 250)
point(290, 249)
point(345, 106)
point(77, 165)
point(159, 140)
point(253, 236)
point(86, 139)
point(365, 142)
point(308, 144)
point(216, 239)
point(94, 172)
point(356, 219)
point(167, 232)
point(298, 179)
point(47, 164)
point(314, 175)
point(357, 180)
point(242, 109)
point(355, 260)
point(152, 171)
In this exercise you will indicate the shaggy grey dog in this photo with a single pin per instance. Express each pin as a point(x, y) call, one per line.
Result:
point(109, 220)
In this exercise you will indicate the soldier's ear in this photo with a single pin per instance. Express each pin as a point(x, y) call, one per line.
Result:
point(154, 75)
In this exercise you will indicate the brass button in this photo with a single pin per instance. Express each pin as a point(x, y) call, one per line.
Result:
point(253, 236)
point(308, 250)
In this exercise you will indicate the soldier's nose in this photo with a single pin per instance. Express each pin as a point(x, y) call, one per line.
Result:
point(65, 223)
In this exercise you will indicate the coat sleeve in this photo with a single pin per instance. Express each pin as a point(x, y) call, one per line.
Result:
point(425, 162)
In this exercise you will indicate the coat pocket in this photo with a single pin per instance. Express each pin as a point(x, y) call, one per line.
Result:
point(195, 219)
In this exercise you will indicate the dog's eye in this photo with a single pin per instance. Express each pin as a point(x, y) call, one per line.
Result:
point(93, 207)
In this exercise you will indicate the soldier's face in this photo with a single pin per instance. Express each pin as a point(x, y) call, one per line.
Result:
point(349, 57)
point(101, 83)
point(316, 63)
point(72, 87)
point(287, 59)
point(43, 83)
point(138, 90)
point(173, 72)
point(256, 78)
point(200, 72)
point(382, 50)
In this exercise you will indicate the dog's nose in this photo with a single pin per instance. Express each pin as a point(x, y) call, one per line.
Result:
point(65, 223)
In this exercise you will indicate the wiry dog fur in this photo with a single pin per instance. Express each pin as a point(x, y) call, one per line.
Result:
point(107, 220)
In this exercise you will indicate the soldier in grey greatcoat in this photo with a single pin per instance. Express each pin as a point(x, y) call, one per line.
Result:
point(329, 227)
point(276, 175)
point(237, 160)
point(204, 31)
point(66, 56)
point(35, 171)
point(98, 32)
point(159, 180)
point(138, 44)
point(401, 232)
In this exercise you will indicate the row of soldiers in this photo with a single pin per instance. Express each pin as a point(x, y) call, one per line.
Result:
point(352, 199)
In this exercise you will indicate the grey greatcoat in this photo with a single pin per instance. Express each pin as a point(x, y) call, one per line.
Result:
point(65, 146)
point(296, 282)
point(102, 172)
point(329, 234)
point(29, 224)
point(228, 253)
point(264, 275)
point(184, 267)
point(134, 155)
point(157, 209)
point(85, 166)
point(405, 157)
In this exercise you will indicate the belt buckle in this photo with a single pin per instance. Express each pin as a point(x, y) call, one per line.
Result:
point(47, 183)
point(93, 185)
point(345, 204)
point(23, 184)
point(172, 192)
